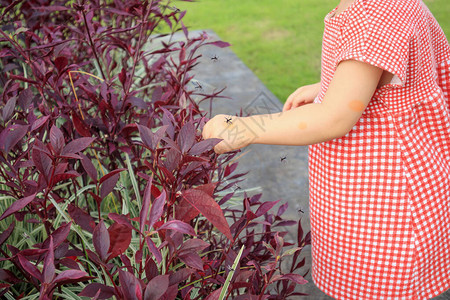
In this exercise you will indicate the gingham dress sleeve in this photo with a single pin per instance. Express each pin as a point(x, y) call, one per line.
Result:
point(442, 59)
point(375, 37)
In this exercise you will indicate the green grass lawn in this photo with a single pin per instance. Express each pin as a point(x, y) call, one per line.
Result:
point(280, 40)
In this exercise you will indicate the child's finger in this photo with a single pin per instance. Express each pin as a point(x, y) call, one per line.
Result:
point(288, 104)
point(206, 132)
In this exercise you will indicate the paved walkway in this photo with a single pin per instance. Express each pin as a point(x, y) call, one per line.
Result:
point(279, 172)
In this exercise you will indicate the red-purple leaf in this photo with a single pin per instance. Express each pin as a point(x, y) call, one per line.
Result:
point(208, 188)
point(123, 76)
point(97, 198)
point(220, 44)
point(59, 236)
point(145, 205)
point(157, 209)
point(10, 136)
point(121, 219)
point(207, 206)
point(39, 122)
point(108, 185)
point(185, 31)
point(80, 126)
point(101, 241)
point(17, 205)
point(204, 146)
point(25, 98)
point(8, 276)
point(48, 271)
point(265, 207)
point(61, 62)
point(146, 136)
point(151, 269)
point(185, 212)
point(65, 176)
point(32, 252)
point(81, 218)
point(171, 293)
point(89, 167)
point(188, 253)
point(186, 137)
point(120, 238)
point(77, 145)
point(29, 267)
point(282, 209)
point(128, 285)
point(180, 275)
point(192, 259)
point(295, 278)
point(24, 79)
point(153, 249)
point(8, 109)
point(149, 138)
point(90, 290)
point(286, 223)
point(195, 245)
point(58, 8)
point(56, 139)
point(70, 276)
point(179, 226)
point(42, 161)
point(69, 263)
point(5, 234)
point(112, 173)
point(214, 295)
point(156, 287)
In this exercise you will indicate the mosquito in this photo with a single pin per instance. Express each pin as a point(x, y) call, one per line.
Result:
point(230, 268)
point(121, 187)
point(215, 58)
point(283, 158)
point(197, 85)
point(300, 210)
point(174, 8)
point(228, 120)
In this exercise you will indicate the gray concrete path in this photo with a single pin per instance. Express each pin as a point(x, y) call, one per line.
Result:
point(279, 172)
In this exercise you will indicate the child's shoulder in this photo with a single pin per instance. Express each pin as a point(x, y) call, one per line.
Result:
point(393, 8)
point(387, 14)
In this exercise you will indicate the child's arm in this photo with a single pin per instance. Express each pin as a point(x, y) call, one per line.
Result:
point(348, 94)
point(303, 95)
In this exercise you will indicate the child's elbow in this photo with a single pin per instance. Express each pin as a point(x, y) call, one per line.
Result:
point(338, 128)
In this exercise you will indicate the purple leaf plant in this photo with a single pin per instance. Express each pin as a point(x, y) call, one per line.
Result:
point(107, 188)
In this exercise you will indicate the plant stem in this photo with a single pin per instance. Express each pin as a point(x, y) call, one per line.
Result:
point(91, 43)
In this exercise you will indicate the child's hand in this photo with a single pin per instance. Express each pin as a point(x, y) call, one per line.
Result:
point(230, 129)
point(302, 96)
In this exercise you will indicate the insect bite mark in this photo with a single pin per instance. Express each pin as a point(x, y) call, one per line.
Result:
point(357, 106)
point(302, 125)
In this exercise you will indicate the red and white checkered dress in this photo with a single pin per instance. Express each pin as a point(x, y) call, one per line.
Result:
point(380, 195)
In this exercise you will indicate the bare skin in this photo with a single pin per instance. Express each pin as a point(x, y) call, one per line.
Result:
point(348, 94)
point(303, 122)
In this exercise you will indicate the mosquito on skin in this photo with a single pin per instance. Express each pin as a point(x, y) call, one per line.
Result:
point(228, 120)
